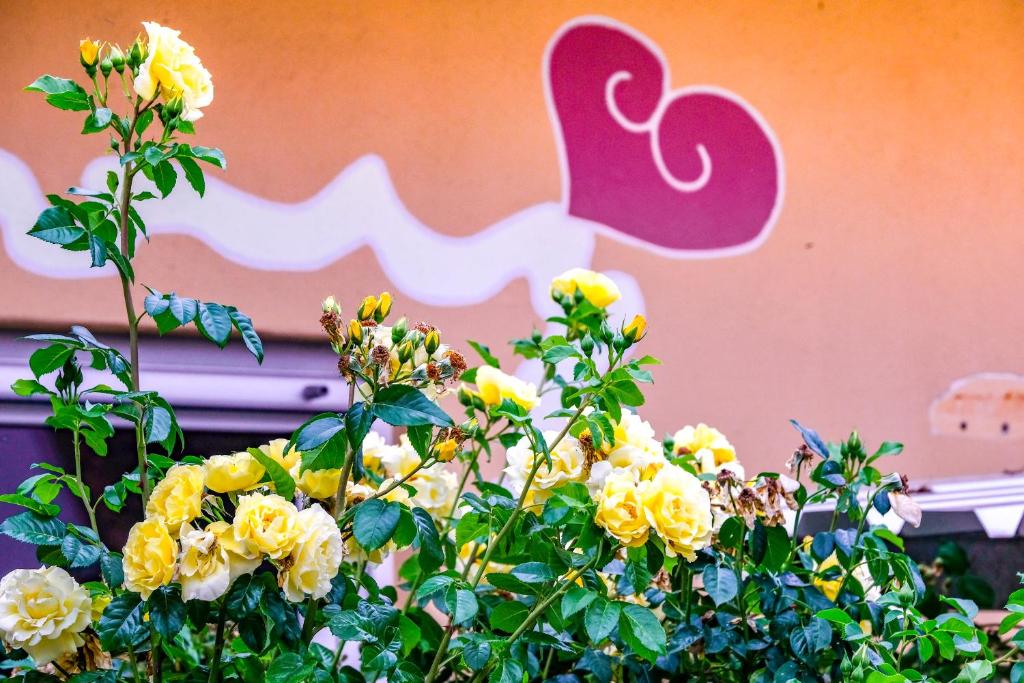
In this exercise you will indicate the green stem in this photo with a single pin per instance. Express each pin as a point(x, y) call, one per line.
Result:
point(136, 674)
point(158, 664)
point(81, 484)
point(309, 620)
point(350, 456)
point(218, 646)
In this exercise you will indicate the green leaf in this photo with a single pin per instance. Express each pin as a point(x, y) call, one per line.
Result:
point(318, 430)
point(808, 640)
point(461, 604)
point(476, 653)
point(193, 174)
point(96, 121)
point(214, 323)
point(508, 616)
point(184, 310)
point(600, 618)
point(56, 225)
point(375, 521)
point(419, 437)
point(974, 672)
point(61, 93)
point(210, 155)
point(98, 251)
point(509, 671)
point(166, 611)
point(112, 568)
point(720, 583)
point(49, 358)
point(244, 596)
point(77, 553)
point(485, 353)
point(121, 625)
point(642, 631)
point(358, 420)
point(28, 387)
point(431, 555)
point(288, 668)
point(533, 572)
point(557, 354)
point(575, 599)
point(836, 616)
point(165, 177)
point(42, 509)
point(244, 326)
point(401, 405)
point(888, 448)
point(351, 626)
point(28, 527)
point(284, 485)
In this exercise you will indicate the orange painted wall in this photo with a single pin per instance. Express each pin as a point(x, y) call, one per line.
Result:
point(894, 268)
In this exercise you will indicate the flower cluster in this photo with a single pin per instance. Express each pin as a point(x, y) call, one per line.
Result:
point(209, 523)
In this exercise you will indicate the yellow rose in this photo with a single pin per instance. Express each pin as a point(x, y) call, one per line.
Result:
point(620, 509)
point(89, 51)
point(172, 70)
point(374, 446)
point(204, 570)
point(598, 289)
point(435, 490)
point(238, 472)
point(178, 498)
point(495, 385)
point(316, 557)
point(267, 521)
point(43, 611)
point(275, 451)
point(636, 329)
point(400, 460)
point(243, 558)
point(708, 445)
point(319, 484)
point(828, 586)
point(150, 557)
point(567, 465)
point(679, 510)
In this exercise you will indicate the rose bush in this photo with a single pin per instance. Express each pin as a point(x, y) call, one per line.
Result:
point(547, 534)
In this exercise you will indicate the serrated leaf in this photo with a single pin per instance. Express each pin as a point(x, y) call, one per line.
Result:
point(642, 631)
point(214, 323)
point(720, 583)
point(401, 405)
point(244, 326)
point(508, 616)
point(166, 611)
point(600, 618)
point(28, 527)
point(374, 522)
point(284, 484)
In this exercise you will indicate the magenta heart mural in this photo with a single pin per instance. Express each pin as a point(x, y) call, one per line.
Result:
point(695, 171)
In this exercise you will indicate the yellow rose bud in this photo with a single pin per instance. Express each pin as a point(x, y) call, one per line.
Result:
point(383, 307)
point(636, 329)
point(679, 510)
point(406, 350)
point(269, 522)
point(204, 570)
point(172, 71)
point(316, 557)
point(597, 288)
point(237, 472)
point(43, 612)
point(355, 331)
point(89, 52)
point(366, 309)
point(432, 341)
point(620, 509)
point(446, 450)
point(495, 385)
point(150, 557)
point(319, 484)
point(178, 498)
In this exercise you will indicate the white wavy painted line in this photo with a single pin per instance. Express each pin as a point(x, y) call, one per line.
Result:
point(358, 208)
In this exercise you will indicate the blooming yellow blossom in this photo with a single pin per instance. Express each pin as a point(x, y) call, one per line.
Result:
point(399, 461)
point(319, 484)
point(237, 472)
point(43, 611)
point(495, 385)
point(620, 509)
point(173, 70)
point(150, 557)
point(178, 498)
point(597, 288)
point(275, 451)
point(567, 465)
point(435, 490)
point(708, 445)
point(204, 569)
point(445, 451)
point(679, 510)
point(243, 558)
point(99, 605)
point(316, 557)
point(268, 521)
point(636, 328)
